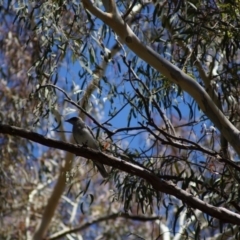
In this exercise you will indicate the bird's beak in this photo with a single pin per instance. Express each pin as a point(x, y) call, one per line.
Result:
point(68, 120)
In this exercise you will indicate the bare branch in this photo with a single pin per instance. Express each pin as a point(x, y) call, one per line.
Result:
point(102, 219)
point(158, 184)
point(68, 99)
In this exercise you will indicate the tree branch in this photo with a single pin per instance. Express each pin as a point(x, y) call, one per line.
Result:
point(173, 73)
point(101, 219)
point(158, 184)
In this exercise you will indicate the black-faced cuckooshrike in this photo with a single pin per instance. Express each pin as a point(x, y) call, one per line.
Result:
point(83, 135)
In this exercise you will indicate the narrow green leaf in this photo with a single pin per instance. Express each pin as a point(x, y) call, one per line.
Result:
point(178, 111)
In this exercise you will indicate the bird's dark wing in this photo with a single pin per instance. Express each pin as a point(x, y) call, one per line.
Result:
point(102, 170)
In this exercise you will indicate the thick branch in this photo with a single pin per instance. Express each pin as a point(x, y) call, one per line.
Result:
point(173, 73)
point(158, 184)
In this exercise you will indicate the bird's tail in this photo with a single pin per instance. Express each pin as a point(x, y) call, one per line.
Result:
point(102, 170)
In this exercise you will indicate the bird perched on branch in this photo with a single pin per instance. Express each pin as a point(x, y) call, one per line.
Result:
point(83, 135)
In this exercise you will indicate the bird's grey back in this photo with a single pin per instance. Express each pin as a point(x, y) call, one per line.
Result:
point(81, 134)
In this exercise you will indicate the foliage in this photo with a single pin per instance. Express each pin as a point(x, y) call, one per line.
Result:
point(59, 59)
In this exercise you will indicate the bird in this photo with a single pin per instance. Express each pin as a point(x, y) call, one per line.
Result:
point(83, 135)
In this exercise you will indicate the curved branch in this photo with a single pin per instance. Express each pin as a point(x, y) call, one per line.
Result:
point(68, 99)
point(173, 73)
point(158, 184)
point(101, 219)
